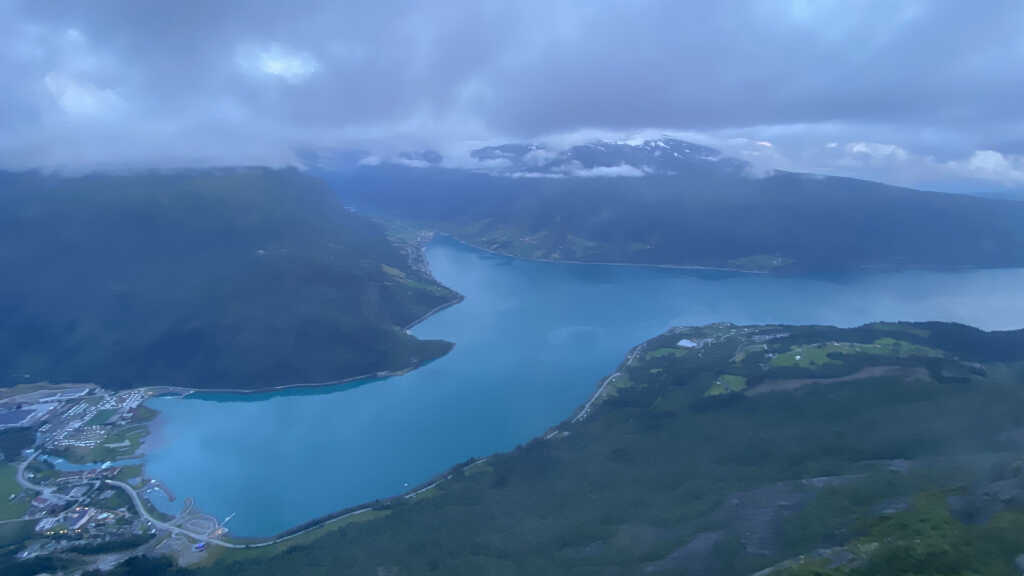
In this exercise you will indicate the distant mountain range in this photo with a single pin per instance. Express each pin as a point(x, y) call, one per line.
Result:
point(233, 278)
point(635, 158)
point(671, 202)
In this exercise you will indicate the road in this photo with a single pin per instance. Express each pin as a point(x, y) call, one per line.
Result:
point(24, 481)
point(137, 502)
point(164, 525)
point(49, 492)
point(586, 407)
point(597, 395)
point(217, 541)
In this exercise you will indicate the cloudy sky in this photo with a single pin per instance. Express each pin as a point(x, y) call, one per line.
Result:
point(920, 93)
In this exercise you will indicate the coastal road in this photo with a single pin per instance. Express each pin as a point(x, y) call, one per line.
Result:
point(217, 541)
point(164, 525)
point(586, 407)
point(135, 500)
point(585, 411)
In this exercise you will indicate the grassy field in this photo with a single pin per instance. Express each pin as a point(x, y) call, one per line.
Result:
point(116, 501)
point(904, 349)
point(101, 417)
point(824, 353)
point(9, 509)
point(123, 442)
point(727, 384)
point(130, 472)
point(12, 533)
point(143, 414)
point(42, 470)
point(668, 351)
point(616, 384)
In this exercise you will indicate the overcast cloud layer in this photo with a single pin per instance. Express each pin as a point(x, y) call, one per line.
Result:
point(919, 93)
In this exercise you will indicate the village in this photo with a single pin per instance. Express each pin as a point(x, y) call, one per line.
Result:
point(69, 485)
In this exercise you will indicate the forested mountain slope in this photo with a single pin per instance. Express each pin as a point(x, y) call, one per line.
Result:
point(229, 278)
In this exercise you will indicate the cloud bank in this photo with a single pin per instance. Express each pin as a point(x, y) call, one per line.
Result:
point(924, 93)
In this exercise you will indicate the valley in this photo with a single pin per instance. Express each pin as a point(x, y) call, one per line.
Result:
point(511, 288)
point(211, 449)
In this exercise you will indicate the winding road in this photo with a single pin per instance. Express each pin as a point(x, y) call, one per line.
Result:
point(20, 476)
point(164, 525)
point(137, 502)
point(25, 483)
point(217, 541)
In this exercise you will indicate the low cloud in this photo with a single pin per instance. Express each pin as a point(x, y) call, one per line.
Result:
point(914, 93)
point(81, 99)
point(991, 165)
point(877, 150)
point(620, 171)
point(278, 62)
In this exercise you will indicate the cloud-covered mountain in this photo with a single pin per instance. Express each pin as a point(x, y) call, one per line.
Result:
point(604, 158)
point(593, 158)
point(234, 82)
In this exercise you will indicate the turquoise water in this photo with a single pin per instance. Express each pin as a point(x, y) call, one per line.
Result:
point(532, 341)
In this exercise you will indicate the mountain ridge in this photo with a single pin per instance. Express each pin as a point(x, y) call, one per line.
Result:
point(226, 278)
point(706, 211)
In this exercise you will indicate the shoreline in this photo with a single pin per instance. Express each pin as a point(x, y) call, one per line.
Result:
point(619, 264)
point(864, 268)
point(583, 411)
point(183, 391)
point(573, 418)
point(439, 308)
point(578, 415)
point(553, 432)
point(151, 425)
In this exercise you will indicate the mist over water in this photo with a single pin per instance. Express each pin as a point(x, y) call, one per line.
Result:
point(532, 341)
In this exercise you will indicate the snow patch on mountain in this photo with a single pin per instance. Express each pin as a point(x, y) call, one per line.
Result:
point(632, 157)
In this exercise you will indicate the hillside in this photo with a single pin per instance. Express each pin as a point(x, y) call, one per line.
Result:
point(884, 449)
point(235, 278)
point(676, 203)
